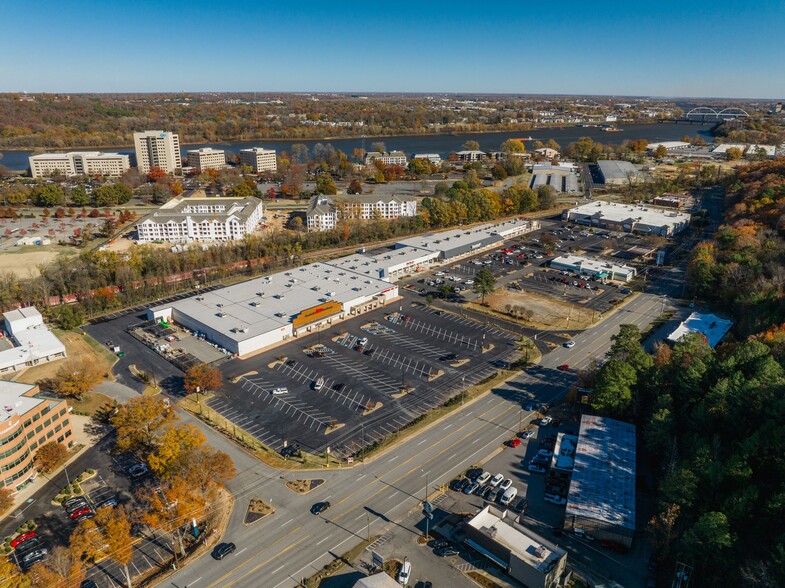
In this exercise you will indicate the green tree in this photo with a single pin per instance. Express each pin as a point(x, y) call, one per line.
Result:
point(660, 152)
point(47, 195)
point(325, 184)
point(112, 194)
point(68, 316)
point(419, 167)
point(498, 172)
point(484, 283)
point(546, 197)
point(613, 389)
point(734, 153)
point(708, 542)
point(78, 196)
point(471, 146)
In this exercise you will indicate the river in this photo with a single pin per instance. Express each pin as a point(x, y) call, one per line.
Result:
point(443, 144)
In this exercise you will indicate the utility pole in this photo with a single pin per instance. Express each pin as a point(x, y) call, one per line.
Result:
point(368, 519)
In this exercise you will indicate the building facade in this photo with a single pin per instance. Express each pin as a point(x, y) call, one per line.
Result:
point(206, 158)
point(34, 343)
point(159, 149)
point(26, 423)
point(387, 158)
point(260, 159)
point(628, 218)
point(324, 212)
point(77, 163)
point(187, 220)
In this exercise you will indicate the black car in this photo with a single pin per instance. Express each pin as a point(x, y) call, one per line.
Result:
point(72, 504)
point(291, 363)
point(33, 557)
point(223, 549)
point(557, 532)
point(448, 551)
point(320, 507)
point(368, 352)
point(339, 387)
point(449, 357)
point(29, 545)
point(521, 505)
point(111, 501)
point(439, 543)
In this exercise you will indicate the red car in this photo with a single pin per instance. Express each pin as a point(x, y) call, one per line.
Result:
point(514, 442)
point(21, 538)
point(564, 367)
point(80, 512)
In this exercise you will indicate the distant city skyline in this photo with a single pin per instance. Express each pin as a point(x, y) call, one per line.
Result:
point(669, 49)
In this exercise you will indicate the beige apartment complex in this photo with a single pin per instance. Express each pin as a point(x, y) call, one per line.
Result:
point(159, 149)
point(77, 163)
point(260, 159)
point(27, 422)
point(206, 158)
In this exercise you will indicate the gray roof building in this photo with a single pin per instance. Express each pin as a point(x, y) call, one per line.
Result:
point(601, 499)
point(615, 172)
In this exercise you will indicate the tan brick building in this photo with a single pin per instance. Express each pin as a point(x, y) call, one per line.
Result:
point(27, 422)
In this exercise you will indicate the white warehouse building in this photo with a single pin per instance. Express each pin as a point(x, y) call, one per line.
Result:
point(251, 316)
point(628, 218)
point(594, 268)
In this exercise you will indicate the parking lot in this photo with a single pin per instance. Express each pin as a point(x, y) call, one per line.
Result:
point(393, 364)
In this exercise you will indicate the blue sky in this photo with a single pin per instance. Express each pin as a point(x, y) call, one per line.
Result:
point(720, 48)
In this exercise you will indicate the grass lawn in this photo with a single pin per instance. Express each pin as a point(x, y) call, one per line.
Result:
point(77, 345)
point(90, 403)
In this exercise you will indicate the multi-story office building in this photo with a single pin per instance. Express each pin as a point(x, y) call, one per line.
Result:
point(206, 158)
point(26, 423)
point(159, 149)
point(34, 342)
point(324, 212)
point(77, 163)
point(260, 159)
point(387, 158)
point(186, 220)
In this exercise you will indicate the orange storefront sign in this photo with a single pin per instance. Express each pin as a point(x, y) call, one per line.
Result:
point(315, 313)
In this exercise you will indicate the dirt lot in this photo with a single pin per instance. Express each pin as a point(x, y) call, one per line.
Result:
point(25, 263)
point(549, 313)
point(76, 345)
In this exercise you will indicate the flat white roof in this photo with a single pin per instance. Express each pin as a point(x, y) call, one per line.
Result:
point(381, 264)
point(206, 150)
point(710, 326)
point(603, 476)
point(22, 313)
point(12, 400)
point(261, 305)
point(455, 238)
point(616, 169)
point(580, 262)
point(526, 545)
point(668, 145)
point(770, 150)
point(620, 213)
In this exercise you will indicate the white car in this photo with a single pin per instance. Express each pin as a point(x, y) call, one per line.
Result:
point(483, 478)
point(362, 341)
point(439, 274)
point(469, 282)
point(569, 344)
point(544, 422)
point(508, 496)
point(496, 480)
point(279, 391)
point(527, 434)
point(505, 485)
point(405, 573)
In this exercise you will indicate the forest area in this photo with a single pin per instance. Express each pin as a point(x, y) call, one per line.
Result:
point(711, 422)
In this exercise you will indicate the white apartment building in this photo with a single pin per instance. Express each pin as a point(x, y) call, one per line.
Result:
point(260, 159)
point(206, 158)
point(77, 163)
point(324, 212)
point(387, 158)
point(157, 148)
point(187, 220)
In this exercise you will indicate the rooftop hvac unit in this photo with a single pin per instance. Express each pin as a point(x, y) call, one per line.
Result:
point(356, 288)
point(316, 288)
point(330, 293)
point(254, 303)
point(278, 296)
point(221, 314)
point(260, 294)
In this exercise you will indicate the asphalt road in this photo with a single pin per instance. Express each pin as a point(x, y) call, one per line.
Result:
point(291, 544)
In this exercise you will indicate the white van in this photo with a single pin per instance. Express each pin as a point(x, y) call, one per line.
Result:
point(405, 574)
point(508, 496)
point(278, 391)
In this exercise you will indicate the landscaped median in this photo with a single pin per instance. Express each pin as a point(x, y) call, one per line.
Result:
point(74, 488)
point(304, 460)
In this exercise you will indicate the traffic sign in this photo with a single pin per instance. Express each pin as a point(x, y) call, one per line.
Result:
point(350, 460)
point(377, 560)
point(427, 507)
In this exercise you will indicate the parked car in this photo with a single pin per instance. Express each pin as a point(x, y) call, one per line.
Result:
point(508, 496)
point(536, 468)
point(223, 549)
point(493, 494)
point(514, 442)
point(545, 421)
point(449, 357)
point(279, 391)
point(569, 344)
point(471, 488)
point(529, 407)
point(448, 551)
point(496, 480)
point(465, 483)
point(439, 543)
point(21, 538)
point(581, 534)
point(27, 546)
point(526, 434)
point(564, 367)
point(545, 453)
point(72, 504)
point(506, 483)
point(483, 478)
point(521, 505)
point(34, 557)
point(405, 574)
point(320, 507)
point(338, 387)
